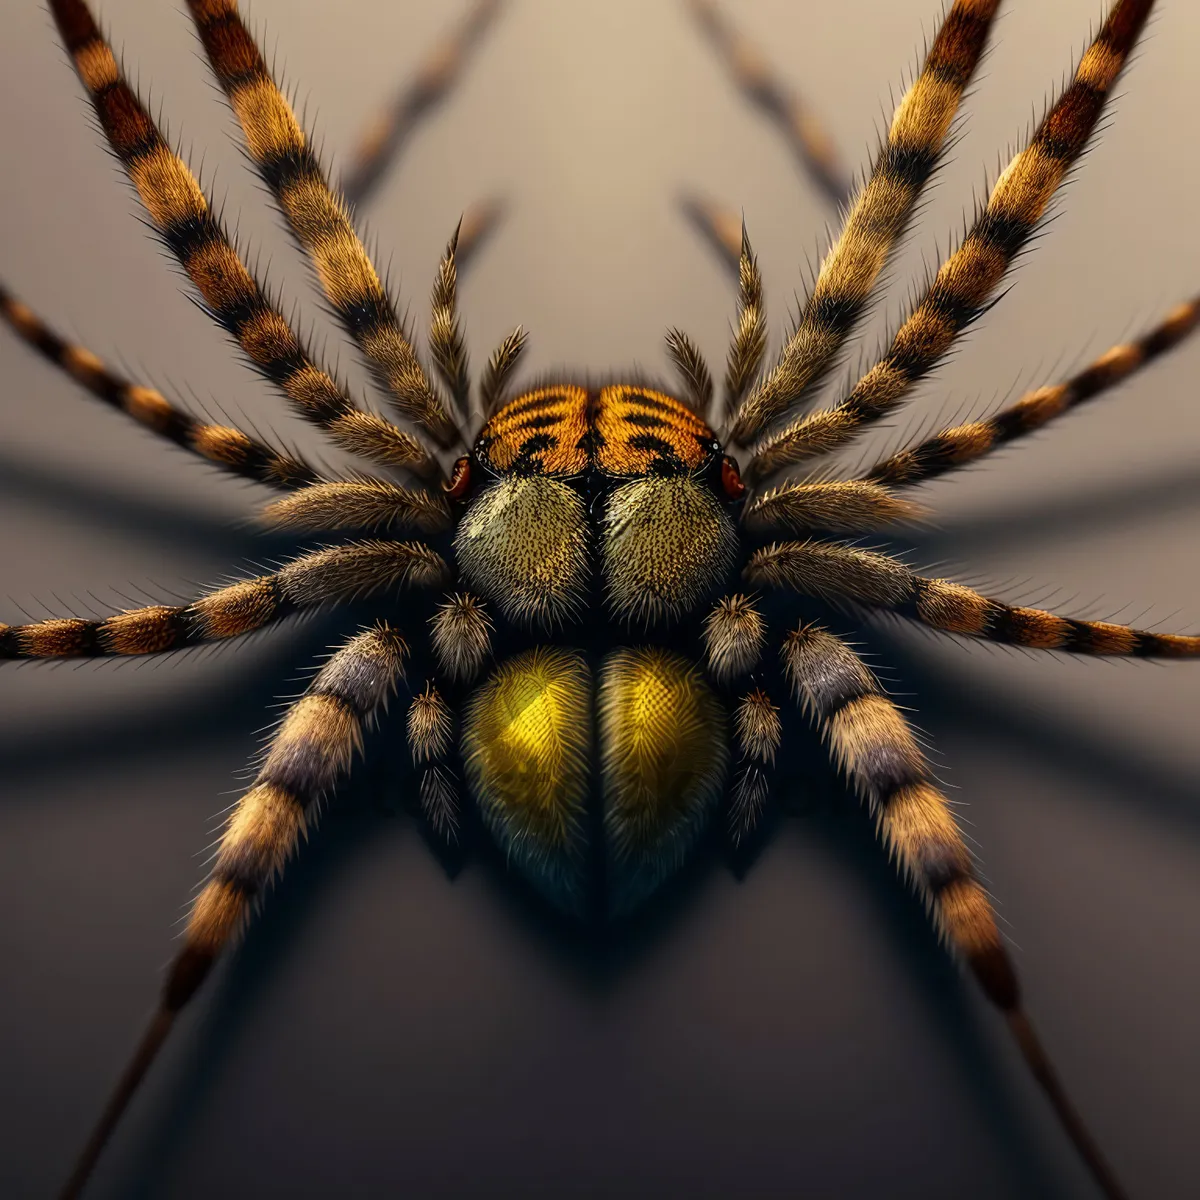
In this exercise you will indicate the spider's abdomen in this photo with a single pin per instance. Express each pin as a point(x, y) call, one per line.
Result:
point(596, 784)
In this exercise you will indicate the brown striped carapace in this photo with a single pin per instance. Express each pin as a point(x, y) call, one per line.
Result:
point(602, 627)
point(619, 430)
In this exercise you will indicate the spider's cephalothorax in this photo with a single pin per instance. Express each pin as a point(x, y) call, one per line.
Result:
point(580, 502)
point(595, 566)
point(626, 473)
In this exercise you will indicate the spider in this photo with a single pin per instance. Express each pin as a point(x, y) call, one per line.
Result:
point(615, 499)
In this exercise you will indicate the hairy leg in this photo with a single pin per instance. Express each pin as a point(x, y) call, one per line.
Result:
point(876, 219)
point(965, 444)
point(324, 577)
point(308, 754)
point(181, 213)
point(874, 747)
point(318, 217)
point(838, 573)
point(969, 279)
point(223, 446)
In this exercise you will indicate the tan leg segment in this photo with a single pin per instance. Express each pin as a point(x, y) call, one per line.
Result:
point(964, 444)
point(223, 446)
point(839, 573)
point(181, 213)
point(878, 215)
point(333, 576)
point(877, 751)
point(836, 506)
point(309, 752)
point(363, 505)
point(317, 216)
point(969, 279)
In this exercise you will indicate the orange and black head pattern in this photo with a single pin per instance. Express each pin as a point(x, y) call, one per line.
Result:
point(621, 430)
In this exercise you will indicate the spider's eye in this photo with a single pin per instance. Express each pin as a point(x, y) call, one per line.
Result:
point(460, 479)
point(731, 479)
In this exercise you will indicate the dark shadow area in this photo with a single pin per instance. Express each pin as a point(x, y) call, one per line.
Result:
point(1094, 511)
point(595, 961)
point(156, 519)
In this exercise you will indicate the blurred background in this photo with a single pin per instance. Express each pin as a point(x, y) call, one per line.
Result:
point(385, 1030)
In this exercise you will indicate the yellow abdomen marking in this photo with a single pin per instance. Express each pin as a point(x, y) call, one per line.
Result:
point(663, 744)
point(526, 742)
point(662, 739)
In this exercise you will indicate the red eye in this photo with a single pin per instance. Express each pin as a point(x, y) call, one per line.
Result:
point(731, 481)
point(460, 479)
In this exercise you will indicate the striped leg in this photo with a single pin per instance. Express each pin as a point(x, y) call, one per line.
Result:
point(318, 217)
point(969, 279)
point(309, 753)
point(877, 217)
point(963, 444)
point(803, 132)
point(386, 136)
point(181, 213)
point(336, 575)
point(806, 137)
point(876, 750)
point(225, 447)
point(840, 574)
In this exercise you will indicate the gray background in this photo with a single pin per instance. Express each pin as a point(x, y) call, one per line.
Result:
point(385, 1031)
